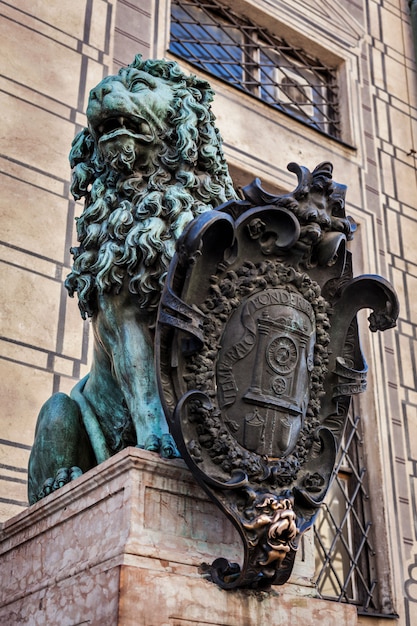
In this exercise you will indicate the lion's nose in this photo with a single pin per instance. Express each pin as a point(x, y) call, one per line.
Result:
point(101, 91)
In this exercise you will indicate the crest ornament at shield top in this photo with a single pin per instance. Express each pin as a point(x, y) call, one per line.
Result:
point(258, 357)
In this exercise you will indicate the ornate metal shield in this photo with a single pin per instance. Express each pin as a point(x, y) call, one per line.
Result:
point(258, 356)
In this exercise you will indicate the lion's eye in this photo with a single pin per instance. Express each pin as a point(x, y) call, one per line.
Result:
point(141, 83)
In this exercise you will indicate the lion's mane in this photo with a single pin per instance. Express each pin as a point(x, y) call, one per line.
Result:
point(130, 223)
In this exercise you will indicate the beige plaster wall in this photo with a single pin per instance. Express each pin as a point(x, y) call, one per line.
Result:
point(50, 57)
point(53, 53)
point(372, 44)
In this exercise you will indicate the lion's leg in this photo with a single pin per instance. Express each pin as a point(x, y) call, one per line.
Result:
point(61, 450)
point(142, 397)
point(128, 340)
point(153, 432)
point(133, 364)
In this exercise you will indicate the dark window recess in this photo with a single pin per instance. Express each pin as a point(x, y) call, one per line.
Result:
point(344, 534)
point(212, 37)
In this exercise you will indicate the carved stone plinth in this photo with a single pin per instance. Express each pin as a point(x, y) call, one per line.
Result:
point(122, 545)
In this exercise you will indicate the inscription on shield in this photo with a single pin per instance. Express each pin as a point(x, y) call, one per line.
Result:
point(263, 370)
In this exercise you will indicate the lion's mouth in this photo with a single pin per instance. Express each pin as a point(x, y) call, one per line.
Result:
point(120, 125)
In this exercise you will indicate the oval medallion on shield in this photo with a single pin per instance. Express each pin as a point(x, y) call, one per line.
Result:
point(263, 369)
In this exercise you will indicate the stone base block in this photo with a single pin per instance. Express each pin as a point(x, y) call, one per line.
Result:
point(122, 546)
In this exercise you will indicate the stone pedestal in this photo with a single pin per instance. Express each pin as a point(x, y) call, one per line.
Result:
point(122, 545)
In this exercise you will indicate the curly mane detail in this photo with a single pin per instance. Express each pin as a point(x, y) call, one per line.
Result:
point(131, 221)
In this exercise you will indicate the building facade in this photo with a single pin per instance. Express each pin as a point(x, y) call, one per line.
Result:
point(305, 81)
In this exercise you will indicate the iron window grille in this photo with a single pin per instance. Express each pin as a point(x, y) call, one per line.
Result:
point(343, 532)
point(231, 47)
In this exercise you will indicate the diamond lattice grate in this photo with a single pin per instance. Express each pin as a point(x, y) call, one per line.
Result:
point(345, 571)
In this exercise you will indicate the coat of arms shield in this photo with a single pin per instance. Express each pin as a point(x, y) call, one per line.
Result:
point(258, 356)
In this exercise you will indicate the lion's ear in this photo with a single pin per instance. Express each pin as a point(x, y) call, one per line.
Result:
point(82, 148)
point(81, 161)
point(137, 62)
point(202, 88)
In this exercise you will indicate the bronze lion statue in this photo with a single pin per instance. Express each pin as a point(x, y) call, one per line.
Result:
point(149, 161)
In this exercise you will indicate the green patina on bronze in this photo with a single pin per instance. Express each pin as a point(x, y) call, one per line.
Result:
point(148, 163)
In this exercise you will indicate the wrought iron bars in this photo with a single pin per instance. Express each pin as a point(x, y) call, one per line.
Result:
point(345, 569)
point(231, 47)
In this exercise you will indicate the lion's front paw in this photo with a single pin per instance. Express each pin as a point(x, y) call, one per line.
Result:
point(63, 476)
point(164, 445)
point(152, 443)
point(168, 448)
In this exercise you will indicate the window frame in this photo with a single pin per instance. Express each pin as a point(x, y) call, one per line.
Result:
point(264, 40)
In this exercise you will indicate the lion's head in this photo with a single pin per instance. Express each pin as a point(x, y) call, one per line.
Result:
point(148, 163)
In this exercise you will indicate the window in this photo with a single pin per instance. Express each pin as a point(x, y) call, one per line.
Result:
point(344, 534)
point(232, 48)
